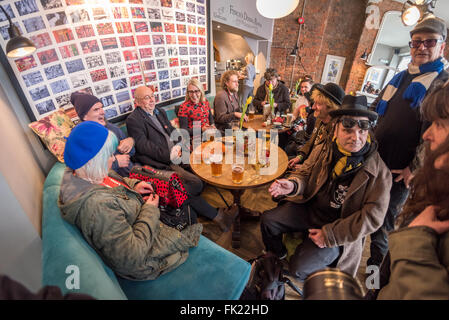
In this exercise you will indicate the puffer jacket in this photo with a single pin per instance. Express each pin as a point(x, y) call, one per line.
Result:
point(124, 230)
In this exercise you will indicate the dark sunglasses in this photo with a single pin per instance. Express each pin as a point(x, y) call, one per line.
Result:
point(193, 91)
point(428, 43)
point(349, 123)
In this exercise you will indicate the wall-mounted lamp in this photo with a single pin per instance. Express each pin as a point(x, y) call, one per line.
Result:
point(364, 55)
point(17, 45)
point(414, 12)
point(294, 51)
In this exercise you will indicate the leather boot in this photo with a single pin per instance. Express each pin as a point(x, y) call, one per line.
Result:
point(225, 217)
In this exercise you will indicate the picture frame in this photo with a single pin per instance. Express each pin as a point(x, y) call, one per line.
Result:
point(374, 75)
point(333, 68)
point(105, 50)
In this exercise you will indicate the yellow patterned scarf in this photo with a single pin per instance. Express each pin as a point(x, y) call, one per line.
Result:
point(347, 161)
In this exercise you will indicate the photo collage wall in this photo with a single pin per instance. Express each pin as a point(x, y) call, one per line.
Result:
point(108, 48)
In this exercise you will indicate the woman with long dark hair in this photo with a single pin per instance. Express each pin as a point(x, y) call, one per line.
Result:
point(419, 249)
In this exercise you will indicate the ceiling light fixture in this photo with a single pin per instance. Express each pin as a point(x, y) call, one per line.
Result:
point(276, 9)
point(17, 46)
point(414, 12)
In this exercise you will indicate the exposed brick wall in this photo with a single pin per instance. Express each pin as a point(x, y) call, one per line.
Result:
point(335, 27)
point(358, 70)
point(331, 27)
point(367, 40)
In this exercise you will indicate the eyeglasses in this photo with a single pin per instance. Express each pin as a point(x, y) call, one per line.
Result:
point(193, 91)
point(146, 98)
point(349, 123)
point(428, 43)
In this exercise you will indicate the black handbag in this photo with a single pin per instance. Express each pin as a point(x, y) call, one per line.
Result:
point(266, 281)
point(177, 218)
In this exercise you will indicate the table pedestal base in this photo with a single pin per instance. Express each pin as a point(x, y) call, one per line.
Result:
point(242, 213)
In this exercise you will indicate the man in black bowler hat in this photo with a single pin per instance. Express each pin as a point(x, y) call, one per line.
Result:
point(337, 197)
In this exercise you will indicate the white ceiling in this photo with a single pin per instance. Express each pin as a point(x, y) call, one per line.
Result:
point(395, 34)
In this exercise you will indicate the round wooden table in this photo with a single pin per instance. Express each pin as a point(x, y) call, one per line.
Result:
point(257, 124)
point(278, 162)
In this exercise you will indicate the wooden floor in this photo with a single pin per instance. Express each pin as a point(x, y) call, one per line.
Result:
point(251, 238)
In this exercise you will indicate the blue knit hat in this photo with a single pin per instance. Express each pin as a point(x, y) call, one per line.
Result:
point(83, 102)
point(83, 143)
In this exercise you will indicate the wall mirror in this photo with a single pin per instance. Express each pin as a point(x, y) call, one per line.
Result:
point(390, 54)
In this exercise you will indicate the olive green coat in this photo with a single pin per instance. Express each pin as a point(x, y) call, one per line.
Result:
point(124, 230)
point(419, 265)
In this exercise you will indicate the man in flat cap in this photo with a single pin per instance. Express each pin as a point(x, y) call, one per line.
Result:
point(400, 127)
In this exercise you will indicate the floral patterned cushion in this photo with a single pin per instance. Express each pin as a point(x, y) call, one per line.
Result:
point(52, 130)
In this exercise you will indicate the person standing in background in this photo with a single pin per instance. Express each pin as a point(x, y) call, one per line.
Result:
point(400, 125)
point(249, 74)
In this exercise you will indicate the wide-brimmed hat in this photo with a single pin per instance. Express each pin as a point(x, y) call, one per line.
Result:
point(332, 91)
point(355, 106)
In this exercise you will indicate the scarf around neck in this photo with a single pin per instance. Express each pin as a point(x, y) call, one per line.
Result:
point(417, 89)
point(347, 161)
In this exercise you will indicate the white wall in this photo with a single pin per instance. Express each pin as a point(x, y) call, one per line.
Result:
point(22, 165)
point(20, 244)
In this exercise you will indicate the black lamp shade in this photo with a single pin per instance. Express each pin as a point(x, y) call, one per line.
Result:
point(294, 51)
point(19, 47)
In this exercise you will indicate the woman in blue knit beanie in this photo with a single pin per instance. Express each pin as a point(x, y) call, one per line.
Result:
point(119, 217)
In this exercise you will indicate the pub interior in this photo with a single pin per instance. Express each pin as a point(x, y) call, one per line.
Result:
point(311, 135)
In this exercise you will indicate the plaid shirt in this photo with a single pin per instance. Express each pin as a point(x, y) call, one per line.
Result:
point(195, 112)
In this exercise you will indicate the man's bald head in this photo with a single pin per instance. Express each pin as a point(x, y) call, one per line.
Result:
point(144, 98)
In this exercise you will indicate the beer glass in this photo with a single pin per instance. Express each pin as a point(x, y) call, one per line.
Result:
point(237, 173)
point(216, 165)
point(289, 119)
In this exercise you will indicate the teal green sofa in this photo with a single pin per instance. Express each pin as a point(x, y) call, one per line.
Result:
point(210, 272)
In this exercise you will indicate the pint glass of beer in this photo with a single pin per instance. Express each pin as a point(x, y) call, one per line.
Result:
point(289, 119)
point(216, 164)
point(251, 114)
point(237, 173)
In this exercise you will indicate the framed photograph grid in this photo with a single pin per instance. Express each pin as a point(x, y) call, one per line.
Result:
point(107, 48)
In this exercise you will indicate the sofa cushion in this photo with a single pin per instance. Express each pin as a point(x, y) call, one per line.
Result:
point(52, 130)
point(210, 273)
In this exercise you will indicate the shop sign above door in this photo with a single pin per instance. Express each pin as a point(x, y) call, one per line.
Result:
point(242, 15)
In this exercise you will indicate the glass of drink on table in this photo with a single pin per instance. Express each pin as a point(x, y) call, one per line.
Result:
point(237, 173)
point(251, 113)
point(216, 164)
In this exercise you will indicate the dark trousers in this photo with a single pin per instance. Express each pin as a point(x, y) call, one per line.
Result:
point(194, 186)
point(294, 217)
point(379, 239)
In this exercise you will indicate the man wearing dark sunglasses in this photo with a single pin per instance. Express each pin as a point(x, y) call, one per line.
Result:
point(337, 197)
point(400, 127)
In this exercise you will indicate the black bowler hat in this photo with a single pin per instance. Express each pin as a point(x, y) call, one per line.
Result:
point(354, 106)
point(331, 90)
